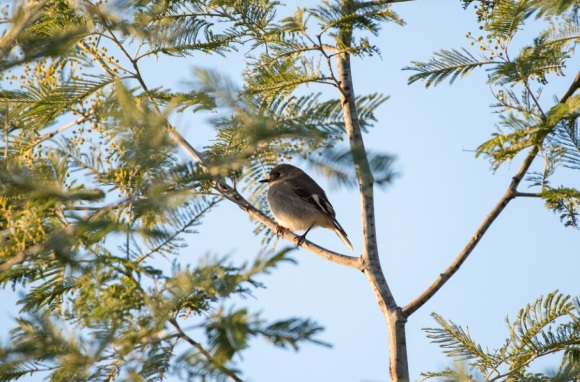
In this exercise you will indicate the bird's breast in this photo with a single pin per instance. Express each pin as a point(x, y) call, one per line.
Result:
point(294, 212)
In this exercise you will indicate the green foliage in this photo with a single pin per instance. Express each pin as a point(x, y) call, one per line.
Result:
point(550, 325)
point(182, 29)
point(507, 17)
point(354, 15)
point(563, 201)
point(517, 75)
point(107, 293)
point(96, 202)
point(446, 63)
point(284, 127)
point(43, 29)
point(545, 55)
point(338, 166)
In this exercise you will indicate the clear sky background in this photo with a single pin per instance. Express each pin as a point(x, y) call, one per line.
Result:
point(424, 218)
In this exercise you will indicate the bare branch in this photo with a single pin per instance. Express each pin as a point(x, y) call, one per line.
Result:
point(510, 194)
point(489, 219)
point(79, 120)
point(528, 194)
point(21, 256)
point(575, 86)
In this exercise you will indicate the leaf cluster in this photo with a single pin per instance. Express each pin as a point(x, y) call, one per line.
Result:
point(517, 77)
point(501, 21)
point(187, 307)
point(280, 128)
point(95, 200)
point(550, 325)
point(345, 17)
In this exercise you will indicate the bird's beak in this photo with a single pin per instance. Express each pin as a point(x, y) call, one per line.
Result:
point(264, 180)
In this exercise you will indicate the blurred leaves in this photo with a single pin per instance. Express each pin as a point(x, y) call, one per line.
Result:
point(188, 305)
point(96, 202)
point(564, 202)
point(338, 166)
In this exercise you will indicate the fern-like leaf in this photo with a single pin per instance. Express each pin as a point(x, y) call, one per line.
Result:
point(508, 16)
point(549, 325)
point(564, 202)
point(454, 340)
point(446, 63)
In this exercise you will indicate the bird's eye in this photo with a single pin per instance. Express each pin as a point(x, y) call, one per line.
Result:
point(276, 175)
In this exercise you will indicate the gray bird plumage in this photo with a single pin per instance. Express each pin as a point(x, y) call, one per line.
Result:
point(299, 203)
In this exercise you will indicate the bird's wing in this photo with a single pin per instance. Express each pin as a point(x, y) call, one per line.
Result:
point(319, 199)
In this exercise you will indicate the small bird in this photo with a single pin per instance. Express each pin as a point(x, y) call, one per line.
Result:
point(299, 203)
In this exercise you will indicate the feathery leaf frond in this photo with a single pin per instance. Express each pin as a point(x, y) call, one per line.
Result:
point(508, 17)
point(446, 63)
point(549, 325)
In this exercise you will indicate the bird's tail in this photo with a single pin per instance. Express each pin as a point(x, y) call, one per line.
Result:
point(342, 234)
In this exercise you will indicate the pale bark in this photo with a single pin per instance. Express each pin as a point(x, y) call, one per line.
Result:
point(398, 362)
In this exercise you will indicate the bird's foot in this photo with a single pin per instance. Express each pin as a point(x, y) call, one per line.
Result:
point(300, 240)
point(280, 230)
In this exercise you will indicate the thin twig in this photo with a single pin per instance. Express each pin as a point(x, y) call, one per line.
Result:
point(181, 334)
point(110, 73)
point(528, 194)
point(79, 120)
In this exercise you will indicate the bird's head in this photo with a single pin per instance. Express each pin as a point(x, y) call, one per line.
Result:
point(281, 171)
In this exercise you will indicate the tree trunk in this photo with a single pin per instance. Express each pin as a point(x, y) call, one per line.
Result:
point(398, 362)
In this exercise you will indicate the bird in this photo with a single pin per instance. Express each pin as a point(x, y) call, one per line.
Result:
point(299, 203)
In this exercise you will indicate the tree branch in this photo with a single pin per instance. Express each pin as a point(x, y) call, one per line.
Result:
point(234, 196)
point(575, 86)
point(398, 361)
point(370, 255)
point(489, 219)
point(78, 121)
point(30, 15)
point(528, 194)
point(181, 334)
point(510, 194)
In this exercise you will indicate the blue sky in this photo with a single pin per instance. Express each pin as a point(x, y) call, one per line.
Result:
point(424, 218)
